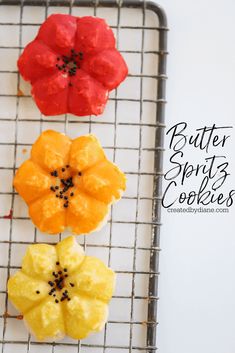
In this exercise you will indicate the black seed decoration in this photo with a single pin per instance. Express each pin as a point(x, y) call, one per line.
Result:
point(54, 295)
point(63, 169)
point(57, 263)
point(71, 284)
point(57, 195)
point(57, 187)
point(67, 166)
point(69, 299)
point(66, 275)
point(51, 283)
point(61, 196)
point(66, 197)
point(72, 194)
point(37, 291)
point(79, 173)
point(65, 270)
point(60, 272)
point(66, 205)
point(57, 301)
point(52, 188)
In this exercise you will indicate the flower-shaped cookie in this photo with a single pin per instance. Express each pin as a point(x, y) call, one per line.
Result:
point(61, 291)
point(68, 183)
point(72, 65)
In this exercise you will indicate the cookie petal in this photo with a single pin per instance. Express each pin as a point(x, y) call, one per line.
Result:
point(70, 254)
point(107, 67)
point(105, 182)
point(86, 95)
point(85, 214)
point(83, 316)
point(46, 320)
point(85, 152)
point(26, 292)
point(37, 61)
point(51, 150)
point(58, 32)
point(50, 94)
point(48, 214)
point(94, 279)
point(31, 181)
point(93, 35)
point(40, 261)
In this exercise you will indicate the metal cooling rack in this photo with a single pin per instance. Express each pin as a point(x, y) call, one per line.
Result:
point(131, 131)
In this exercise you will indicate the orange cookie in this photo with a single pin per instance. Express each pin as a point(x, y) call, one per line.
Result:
point(68, 183)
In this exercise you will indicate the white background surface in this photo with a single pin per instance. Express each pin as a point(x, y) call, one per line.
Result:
point(197, 283)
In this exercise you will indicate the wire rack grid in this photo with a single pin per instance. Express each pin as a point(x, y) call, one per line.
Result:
point(131, 131)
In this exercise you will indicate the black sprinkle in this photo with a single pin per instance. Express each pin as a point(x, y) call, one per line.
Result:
point(57, 187)
point(37, 291)
point(51, 283)
point(60, 272)
point(71, 284)
point(57, 263)
point(57, 301)
point(71, 194)
point(79, 173)
point(66, 275)
point(63, 169)
point(66, 205)
point(65, 270)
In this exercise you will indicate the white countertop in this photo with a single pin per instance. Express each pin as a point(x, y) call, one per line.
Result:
point(197, 284)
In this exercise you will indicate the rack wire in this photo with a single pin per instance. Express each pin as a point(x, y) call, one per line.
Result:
point(131, 131)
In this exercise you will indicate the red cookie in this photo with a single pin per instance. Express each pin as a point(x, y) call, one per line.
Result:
point(72, 65)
